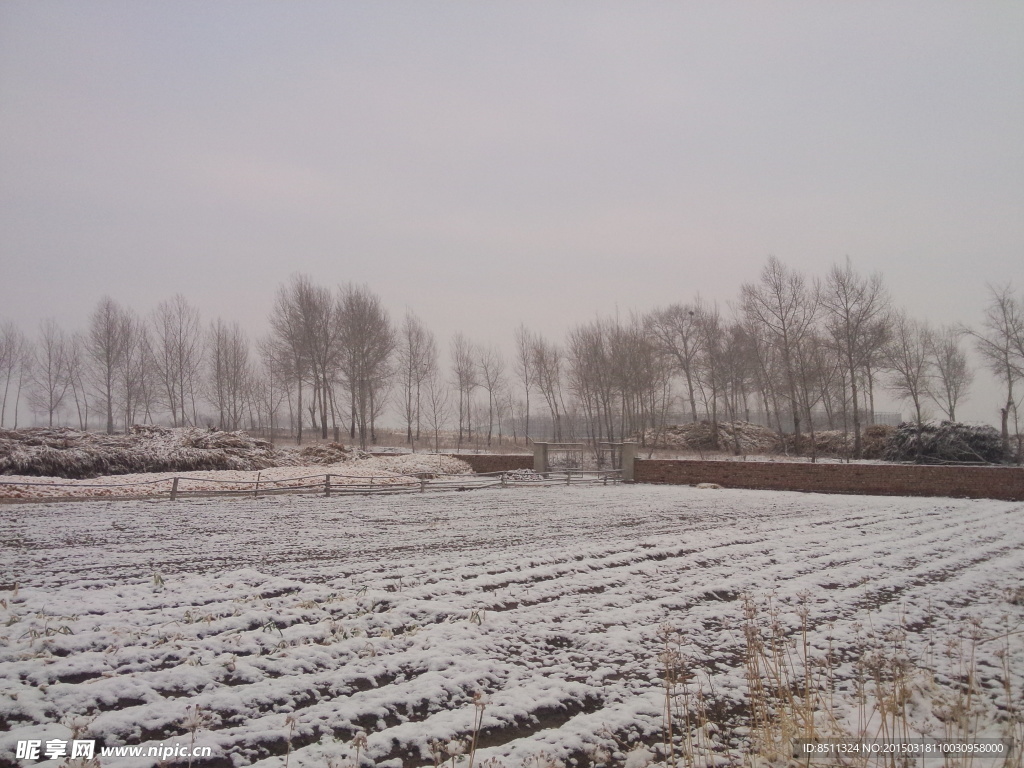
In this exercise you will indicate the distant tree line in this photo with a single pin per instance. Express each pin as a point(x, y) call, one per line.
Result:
point(800, 350)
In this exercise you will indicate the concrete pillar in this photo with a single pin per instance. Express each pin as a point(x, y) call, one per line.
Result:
point(540, 457)
point(628, 457)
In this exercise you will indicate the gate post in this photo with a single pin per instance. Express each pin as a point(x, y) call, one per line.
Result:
point(540, 458)
point(628, 458)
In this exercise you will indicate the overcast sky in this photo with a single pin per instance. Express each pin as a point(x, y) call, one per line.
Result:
point(487, 164)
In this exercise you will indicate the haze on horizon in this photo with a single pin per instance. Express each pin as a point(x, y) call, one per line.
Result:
point(487, 165)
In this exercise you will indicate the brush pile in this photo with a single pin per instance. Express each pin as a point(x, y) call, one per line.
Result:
point(839, 444)
point(827, 442)
point(700, 436)
point(746, 438)
point(318, 454)
point(63, 452)
point(148, 456)
point(948, 443)
point(875, 439)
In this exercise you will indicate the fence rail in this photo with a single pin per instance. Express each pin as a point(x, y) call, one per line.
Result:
point(177, 487)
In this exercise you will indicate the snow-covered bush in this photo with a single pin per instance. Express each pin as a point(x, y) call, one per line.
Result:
point(948, 442)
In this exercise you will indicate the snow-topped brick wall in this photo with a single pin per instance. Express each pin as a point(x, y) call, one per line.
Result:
point(870, 479)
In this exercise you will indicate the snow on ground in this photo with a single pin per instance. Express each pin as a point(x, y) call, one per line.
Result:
point(297, 622)
point(385, 470)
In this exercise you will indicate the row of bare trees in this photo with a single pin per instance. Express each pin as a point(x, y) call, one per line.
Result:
point(795, 349)
point(125, 368)
point(329, 362)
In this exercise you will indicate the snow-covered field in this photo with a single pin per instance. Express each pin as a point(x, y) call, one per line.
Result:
point(295, 622)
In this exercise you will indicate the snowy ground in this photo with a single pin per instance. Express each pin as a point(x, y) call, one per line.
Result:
point(297, 622)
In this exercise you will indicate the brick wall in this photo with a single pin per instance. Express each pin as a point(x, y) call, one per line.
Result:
point(871, 479)
point(491, 462)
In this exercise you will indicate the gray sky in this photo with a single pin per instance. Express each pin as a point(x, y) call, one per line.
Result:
point(491, 163)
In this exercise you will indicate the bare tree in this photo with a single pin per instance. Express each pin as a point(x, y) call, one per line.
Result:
point(953, 375)
point(591, 379)
point(909, 364)
point(105, 345)
point(492, 374)
point(767, 376)
point(676, 330)
point(290, 350)
point(177, 357)
point(547, 365)
point(619, 375)
point(306, 323)
point(503, 413)
point(856, 310)
point(999, 343)
point(831, 384)
point(525, 372)
point(320, 319)
point(134, 369)
point(15, 352)
point(366, 342)
point(710, 363)
point(786, 307)
point(815, 370)
point(466, 379)
point(736, 373)
point(640, 375)
point(50, 375)
point(417, 359)
point(438, 406)
point(230, 373)
point(273, 386)
point(78, 377)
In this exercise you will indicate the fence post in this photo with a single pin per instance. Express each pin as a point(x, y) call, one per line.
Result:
point(174, 489)
point(423, 484)
point(327, 485)
point(568, 477)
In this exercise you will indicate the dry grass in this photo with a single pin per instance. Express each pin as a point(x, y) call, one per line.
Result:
point(795, 692)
